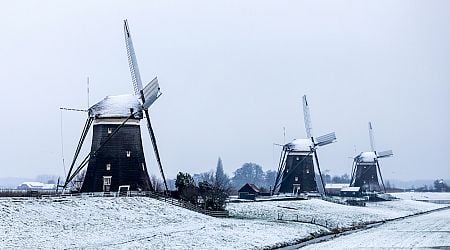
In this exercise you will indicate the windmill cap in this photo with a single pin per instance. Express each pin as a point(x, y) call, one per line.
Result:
point(303, 145)
point(367, 157)
point(116, 106)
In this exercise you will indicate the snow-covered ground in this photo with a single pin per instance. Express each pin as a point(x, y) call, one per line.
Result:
point(327, 213)
point(425, 196)
point(429, 231)
point(140, 222)
point(136, 223)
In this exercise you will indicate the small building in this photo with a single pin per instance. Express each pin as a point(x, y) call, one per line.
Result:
point(248, 191)
point(33, 186)
point(351, 192)
point(335, 188)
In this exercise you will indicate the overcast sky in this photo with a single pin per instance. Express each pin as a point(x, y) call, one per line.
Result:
point(232, 75)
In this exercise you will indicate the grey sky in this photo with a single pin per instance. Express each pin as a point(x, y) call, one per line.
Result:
point(232, 75)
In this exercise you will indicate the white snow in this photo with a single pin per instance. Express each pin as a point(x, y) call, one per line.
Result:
point(351, 189)
point(424, 231)
point(117, 106)
point(302, 145)
point(98, 223)
point(140, 222)
point(423, 196)
point(337, 185)
point(367, 156)
point(324, 212)
point(33, 185)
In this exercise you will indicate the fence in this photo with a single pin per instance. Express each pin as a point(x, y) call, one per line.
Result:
point(5, 192)
point(349, 201)
point(190, 206)
point(309, 220)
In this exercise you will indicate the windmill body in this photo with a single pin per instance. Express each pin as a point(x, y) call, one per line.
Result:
point(366, 172)
point(296, 171)
point(121, 161)
point(299, 175)
point(116, 160)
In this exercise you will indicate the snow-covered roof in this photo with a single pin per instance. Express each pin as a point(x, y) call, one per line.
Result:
point(337, 185)
point(303, 145)
point(117, 106)
point(351, 189)
point(367, 157)
point(36, 185)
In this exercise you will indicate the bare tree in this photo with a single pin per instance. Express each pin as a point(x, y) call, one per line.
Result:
point(157, 183)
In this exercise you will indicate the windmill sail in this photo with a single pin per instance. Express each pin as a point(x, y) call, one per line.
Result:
point(384, 154)
point(372, 144)
point(150, 93)
point(325, 139)
point(132, 62)
point(307, 118)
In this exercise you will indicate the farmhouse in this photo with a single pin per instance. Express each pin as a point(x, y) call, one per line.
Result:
point(335, 188)
point(248, 191)
point(351, 192)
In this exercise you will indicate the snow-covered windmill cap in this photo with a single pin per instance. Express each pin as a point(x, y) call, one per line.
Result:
point(303, 145)
point(116, 106)
point(367, 157)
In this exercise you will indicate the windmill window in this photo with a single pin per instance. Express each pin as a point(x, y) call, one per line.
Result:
point(108, 166)
point(109, 130)
point(128, 153)
point(298, 158)
point(307, 171)
point(296, 178)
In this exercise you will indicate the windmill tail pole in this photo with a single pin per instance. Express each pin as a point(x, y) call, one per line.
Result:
point(87, 125)
point(155, 148)
point(353, 173)
point(381, 177)
point(320, 172)
point(280, 169)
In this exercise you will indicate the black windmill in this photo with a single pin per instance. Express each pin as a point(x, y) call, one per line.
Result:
point(116, 160)
point(366, 168)
point(296, 172)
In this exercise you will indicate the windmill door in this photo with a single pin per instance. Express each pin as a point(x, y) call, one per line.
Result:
point(296, 189)
point(106, 183)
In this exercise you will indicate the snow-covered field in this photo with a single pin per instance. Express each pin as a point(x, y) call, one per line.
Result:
point(136, 223)
point(333, 214)
point(429, 231)
point(430, 196)
point(140, 222)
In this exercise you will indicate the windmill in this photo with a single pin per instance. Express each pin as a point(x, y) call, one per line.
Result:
point(366, 168)
point(116, 160)
point(296, 166)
